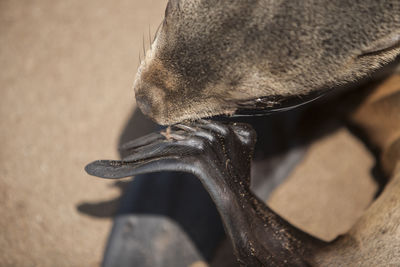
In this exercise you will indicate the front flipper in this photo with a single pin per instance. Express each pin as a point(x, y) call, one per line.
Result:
point(219, 154)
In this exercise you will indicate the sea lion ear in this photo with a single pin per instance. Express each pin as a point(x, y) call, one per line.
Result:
point(384, 44)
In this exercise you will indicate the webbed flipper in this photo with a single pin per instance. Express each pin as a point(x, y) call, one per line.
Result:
point(219, 154)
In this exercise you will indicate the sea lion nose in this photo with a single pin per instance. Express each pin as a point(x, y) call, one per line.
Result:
point(150, 96)
point(144, 104)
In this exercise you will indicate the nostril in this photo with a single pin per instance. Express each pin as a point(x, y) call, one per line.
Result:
point(150, 99)
point(143, 103)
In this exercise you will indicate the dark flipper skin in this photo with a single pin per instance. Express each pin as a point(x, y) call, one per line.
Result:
point(219, 154)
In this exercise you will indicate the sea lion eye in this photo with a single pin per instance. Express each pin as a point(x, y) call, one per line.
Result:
point(382, 45)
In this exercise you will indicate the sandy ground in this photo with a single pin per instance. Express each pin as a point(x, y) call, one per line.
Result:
point(67, 69)
point(329, 190)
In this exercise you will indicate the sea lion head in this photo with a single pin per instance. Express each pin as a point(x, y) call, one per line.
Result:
point(215, 57)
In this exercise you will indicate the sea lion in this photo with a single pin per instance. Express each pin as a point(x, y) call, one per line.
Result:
point(225, 57)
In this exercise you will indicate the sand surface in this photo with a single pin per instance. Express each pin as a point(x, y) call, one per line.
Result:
point(67, 69)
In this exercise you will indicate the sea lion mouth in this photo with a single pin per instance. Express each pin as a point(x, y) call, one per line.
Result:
point(276, 103)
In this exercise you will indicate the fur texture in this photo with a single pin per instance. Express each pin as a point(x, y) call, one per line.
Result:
point(209, 56)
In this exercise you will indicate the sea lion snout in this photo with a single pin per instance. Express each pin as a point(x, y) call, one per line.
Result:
point(165, 96)
point(144, 104)
point(150, 99)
